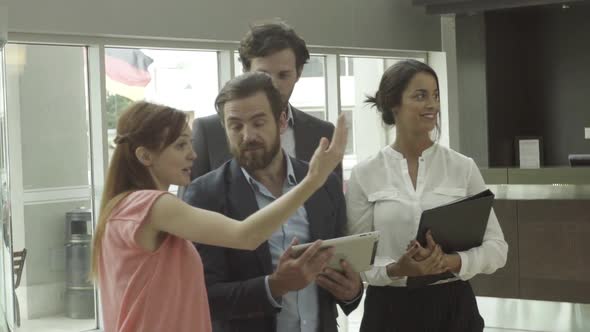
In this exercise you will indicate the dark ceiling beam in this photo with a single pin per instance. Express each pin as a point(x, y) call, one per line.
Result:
point(436, 2)
point(485, 5)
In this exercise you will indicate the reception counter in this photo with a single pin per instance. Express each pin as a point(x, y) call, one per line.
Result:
point(528, 192)
point(547, 227)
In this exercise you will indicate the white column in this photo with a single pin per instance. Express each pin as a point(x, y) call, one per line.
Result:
point(438, 62)
point(226, 66)
point(449, 46)
point(332, 87)
point(98, 137)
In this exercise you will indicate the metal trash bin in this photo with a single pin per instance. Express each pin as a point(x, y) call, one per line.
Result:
point(79, 297)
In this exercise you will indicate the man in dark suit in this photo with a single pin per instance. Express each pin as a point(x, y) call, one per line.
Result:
point(268, 290)
point(273, 48)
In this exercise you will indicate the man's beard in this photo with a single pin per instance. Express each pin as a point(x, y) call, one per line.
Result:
point(259, 158)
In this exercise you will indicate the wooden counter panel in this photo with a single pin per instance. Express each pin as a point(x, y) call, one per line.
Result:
point(505, 281)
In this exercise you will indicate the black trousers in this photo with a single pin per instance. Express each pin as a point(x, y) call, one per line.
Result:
point(437, 308)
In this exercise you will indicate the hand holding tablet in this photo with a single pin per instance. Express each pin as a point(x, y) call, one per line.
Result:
point(358, 250)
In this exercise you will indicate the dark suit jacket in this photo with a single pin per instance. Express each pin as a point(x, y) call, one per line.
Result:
point(210, 142)
point(235, 278)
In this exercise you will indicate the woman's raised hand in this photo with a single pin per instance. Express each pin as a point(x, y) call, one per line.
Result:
point(328, 154)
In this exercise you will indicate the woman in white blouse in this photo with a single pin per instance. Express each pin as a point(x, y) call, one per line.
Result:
point(389, 191)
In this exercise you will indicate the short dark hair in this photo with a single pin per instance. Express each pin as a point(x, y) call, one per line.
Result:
point(266, 38)
point(246, 85)
point(393, 83)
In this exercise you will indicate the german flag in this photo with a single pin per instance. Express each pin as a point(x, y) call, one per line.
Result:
point(128, 66)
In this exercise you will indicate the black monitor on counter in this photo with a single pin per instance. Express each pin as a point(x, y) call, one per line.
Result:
point(579, 160)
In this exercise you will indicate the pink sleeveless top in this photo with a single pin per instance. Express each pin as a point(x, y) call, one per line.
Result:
point(143, 291)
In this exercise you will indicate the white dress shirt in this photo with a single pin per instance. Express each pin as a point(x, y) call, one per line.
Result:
point(299, 309)
point(381, 197)
point(288, 136)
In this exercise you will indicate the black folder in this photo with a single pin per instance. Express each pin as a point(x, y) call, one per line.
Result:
point(456, 226)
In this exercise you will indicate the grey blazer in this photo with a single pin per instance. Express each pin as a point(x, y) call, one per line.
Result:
point(210, 142)
point(235, 278)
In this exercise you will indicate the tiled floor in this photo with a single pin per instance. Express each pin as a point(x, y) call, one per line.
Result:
point(493, 329)
point(56, 324)
point(535, 315)
point(508, 315)
point(501, 315)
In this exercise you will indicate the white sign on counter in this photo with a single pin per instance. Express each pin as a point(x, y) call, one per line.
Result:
point(529, 153)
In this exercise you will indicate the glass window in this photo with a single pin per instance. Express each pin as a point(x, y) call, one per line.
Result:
point(392, 61)
point(54, 128)
point(55, 170)
point(355, 86)
point(346, 66)
point(314, 67)
point(186, 80)
point(238, 69)
point(6, 297)
point(309, 94)
point(359, 78)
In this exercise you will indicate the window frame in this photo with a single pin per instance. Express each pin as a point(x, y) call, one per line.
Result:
point(96, 90)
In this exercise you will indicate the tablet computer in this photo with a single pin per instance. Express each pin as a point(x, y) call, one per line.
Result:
point(358, 250)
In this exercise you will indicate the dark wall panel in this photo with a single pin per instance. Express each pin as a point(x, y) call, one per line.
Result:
point(538, 81)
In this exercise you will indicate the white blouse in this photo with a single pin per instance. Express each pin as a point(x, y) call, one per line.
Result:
point(381, 197)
